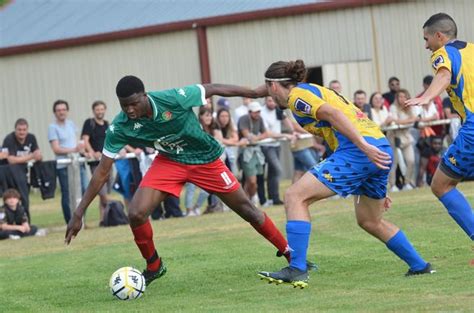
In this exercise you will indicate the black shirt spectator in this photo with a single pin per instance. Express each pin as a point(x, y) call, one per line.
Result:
point(96, 133)
point(16, 148)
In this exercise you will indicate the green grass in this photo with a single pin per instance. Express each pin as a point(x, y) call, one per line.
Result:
point(212, 263)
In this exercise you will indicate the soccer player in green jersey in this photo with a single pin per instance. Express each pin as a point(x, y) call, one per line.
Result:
point(164, 120)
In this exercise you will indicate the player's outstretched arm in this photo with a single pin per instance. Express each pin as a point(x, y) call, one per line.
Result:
point(440, 82)
point(234, 91)
point(98, 179)
point(343, 125)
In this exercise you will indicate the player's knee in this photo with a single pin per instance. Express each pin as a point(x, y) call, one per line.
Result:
point(291, 198)
point(369, 226)
point(136, 216)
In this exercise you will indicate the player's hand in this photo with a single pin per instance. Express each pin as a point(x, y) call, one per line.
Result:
point(381, 159)
point(417, 101)
point(73, 227)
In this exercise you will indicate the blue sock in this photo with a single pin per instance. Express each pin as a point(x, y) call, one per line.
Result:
point(298, 233)
point(400, 245)
point(460, 210)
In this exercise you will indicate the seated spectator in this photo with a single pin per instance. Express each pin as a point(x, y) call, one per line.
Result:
point(426, 113)
point(402, 141)
point(13, 219)
point(379, 113)
point(251, 126)
point(22, 147)
point(429, 160)
point(360, 100)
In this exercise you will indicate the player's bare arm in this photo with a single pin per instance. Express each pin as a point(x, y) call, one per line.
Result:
point(342, 124)
point(440, 82)
point(234, 91)
point(98, 179)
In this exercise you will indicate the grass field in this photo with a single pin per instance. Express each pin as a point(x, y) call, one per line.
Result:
point(212, 263)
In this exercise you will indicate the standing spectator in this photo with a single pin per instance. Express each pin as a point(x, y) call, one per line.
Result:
point(379, 113)
point(335, 85)
point(63, 141)
point(393, 86)
point(360, 100)
point(93, 134)
point(230, 137)
point(242, 109)
point(437, 103)
point(273, 119)
point(252, 127)
point(402, 140)
point(22, 148)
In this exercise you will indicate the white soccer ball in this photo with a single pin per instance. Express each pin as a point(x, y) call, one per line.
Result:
point(127, 283)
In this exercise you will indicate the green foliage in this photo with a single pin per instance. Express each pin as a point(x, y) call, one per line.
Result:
point(212, 263)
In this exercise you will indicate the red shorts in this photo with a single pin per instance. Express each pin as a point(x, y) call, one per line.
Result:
point(170, 176)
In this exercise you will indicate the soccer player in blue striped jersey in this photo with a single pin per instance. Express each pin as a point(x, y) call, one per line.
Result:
point(453, 64)
point(359, 166)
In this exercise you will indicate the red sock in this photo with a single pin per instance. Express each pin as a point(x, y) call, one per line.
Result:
point(272, 234)
point(144, 239)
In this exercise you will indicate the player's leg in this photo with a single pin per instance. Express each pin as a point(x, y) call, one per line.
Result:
point(298, 197)
point(215, 177)
point(444, 187)
point(369, 215)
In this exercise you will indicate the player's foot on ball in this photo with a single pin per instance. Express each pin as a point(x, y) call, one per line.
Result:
point(311, 266)
point(152, 275)
point(287, 275)
point(427, 270)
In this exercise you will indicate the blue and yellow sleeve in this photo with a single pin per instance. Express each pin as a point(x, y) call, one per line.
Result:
point(304, 102)
point(440, 59)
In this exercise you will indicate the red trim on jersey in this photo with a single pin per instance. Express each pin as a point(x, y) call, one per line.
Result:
point(170, 176)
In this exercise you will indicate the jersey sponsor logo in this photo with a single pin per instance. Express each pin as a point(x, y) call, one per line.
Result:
point(302, 106)
point(170, 144)
point(438, 61)
point(226, 178)
point(181, 92)
point(112, 128)
point(167, 115)
point(137, 126)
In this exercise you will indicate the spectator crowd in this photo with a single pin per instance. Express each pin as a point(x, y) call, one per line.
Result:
point(252, 135)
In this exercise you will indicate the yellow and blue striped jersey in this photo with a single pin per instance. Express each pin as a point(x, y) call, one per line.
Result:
point(458, 58)
point(304, 101)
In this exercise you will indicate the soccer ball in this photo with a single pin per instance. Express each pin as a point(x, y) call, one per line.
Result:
point(127, 283)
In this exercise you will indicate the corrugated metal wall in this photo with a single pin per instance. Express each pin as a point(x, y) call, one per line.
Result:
point(365, 46)
point(32, 82)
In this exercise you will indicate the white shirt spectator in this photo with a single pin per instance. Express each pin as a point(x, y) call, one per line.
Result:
point(272, 123)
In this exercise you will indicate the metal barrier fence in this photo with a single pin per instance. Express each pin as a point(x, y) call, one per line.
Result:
point(74, 177)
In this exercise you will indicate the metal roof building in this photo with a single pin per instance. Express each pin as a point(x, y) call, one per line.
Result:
point(77, 50)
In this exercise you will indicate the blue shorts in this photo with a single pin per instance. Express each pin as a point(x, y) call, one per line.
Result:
point(458, 161)
point(350, 172)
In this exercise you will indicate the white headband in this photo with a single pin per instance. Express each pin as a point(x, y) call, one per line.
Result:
point(278, 79)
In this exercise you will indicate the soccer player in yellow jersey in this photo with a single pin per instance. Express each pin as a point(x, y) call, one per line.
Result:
point(453, 63)
point(359, 166)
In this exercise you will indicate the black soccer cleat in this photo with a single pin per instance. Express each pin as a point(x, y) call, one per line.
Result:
point(427, 270)
point(150, 276)
point(311, 266)
point(287, 275)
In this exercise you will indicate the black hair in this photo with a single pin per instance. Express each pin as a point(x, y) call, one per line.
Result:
point(443, 23)
point(359, 92)
point(129, 85)
point(427, 80)
point(391, 79)
point(58, 102)
point(21, 121)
